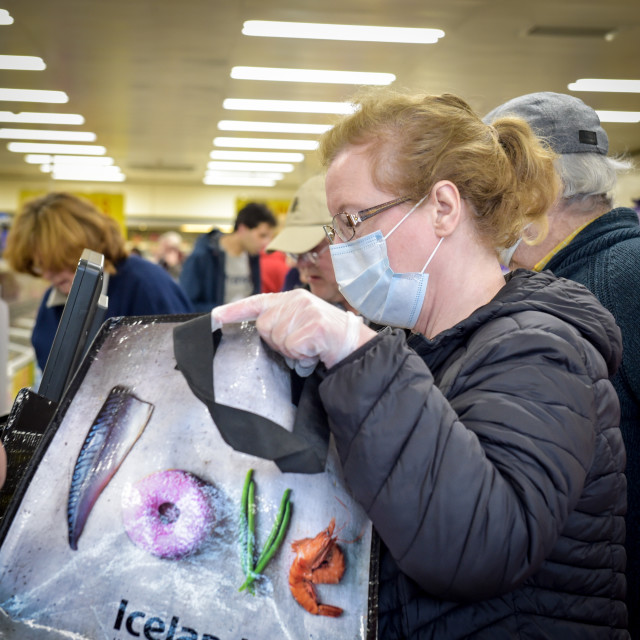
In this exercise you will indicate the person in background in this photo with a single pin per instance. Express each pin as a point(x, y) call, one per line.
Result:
point(168, 253)
point(273, 270)
point(47, 239)
point(226, 267)
point(484, 445)
point(304, 240)
point(593, 243)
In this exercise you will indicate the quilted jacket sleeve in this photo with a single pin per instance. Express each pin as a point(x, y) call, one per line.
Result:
point(469, 483)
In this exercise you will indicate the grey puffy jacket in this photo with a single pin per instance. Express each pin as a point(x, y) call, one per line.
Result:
point(490, 462)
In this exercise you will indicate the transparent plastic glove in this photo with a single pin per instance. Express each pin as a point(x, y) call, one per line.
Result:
point(302, 327)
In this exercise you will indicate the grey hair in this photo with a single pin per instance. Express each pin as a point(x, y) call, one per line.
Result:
point(590, 177)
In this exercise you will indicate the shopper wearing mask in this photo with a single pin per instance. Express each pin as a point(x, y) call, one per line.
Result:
point(484, 447)
point(594, 243)
point(304, 240)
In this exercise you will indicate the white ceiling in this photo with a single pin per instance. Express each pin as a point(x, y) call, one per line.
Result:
point(149, 76)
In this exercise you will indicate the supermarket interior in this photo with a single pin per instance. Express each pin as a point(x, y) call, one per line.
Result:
point(428, 426)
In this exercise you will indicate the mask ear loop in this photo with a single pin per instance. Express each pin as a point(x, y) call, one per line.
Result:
point(433, 254)
point(408, 214)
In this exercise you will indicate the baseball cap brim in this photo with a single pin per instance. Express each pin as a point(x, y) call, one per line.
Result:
point(297, 239)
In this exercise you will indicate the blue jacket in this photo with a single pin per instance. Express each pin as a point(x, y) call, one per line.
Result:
point(605, 257)
point(138, 288)
point(490, 462)
point(203, 272)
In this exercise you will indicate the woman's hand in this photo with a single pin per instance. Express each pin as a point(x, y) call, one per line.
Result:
point(301, 326)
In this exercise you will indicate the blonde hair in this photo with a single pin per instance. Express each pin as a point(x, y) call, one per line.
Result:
point(50, 233)
point(502, 170)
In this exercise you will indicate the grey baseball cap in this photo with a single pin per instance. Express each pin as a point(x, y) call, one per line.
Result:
point(303, 225)
point(565, 122)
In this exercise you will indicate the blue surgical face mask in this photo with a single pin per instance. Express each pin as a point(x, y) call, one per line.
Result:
point(370, 285)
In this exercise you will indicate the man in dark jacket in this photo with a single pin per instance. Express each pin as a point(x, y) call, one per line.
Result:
point(599, 246)
point(226, 267)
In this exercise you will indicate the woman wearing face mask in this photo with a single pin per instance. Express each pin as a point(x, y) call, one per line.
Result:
point(484, 447)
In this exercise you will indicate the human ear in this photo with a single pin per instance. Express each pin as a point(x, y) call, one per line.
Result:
point(447, 205)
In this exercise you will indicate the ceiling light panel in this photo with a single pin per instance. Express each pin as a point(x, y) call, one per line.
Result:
point(5, 17)
point(43, 147)
point(95, 174)
point(292, 106)
point(360, 33)
point(38, 158)
point(44, 134)
point(311, 75)
point(22, 63)
point(219, 165)
point(251, 175)
point(33, 95)
point(240, 182)
point(265, 143)
point(27, 117)
point(272, 127)
point(258, 156)
point(605, 85)
point(95, 161)
point(629, 117)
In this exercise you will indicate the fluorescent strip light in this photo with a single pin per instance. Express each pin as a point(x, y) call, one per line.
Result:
point(272, 127)
point(265, 143)
point(43, 147)
point(37, 158)
point(250, 166)
point(5, 17)
point(295, 106)
point(22, 63)
point(94, 161)
point(619, 116)
point(605, 85)
point(44, 134)
point(77, 169)
point(251, 175)
point(100, 174)
point(33, 95)
point(90, 178)
point(240, 182)
point(266, 156)
point(311, 75)
point(27, 117)
point(352, 32)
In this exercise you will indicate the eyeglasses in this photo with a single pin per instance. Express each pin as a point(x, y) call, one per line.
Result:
point(308, 256)
point(344, 224)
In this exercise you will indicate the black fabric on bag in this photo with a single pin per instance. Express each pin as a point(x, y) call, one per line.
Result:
point(304, 450)
point(21, 434)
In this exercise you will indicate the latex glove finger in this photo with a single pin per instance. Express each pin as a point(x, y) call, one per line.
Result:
point(246, 309)
point(304, 367)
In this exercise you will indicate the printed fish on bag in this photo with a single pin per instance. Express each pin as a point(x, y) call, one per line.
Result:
point(115, 429)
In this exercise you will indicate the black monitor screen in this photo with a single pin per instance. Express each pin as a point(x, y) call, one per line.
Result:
point(76, 325)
